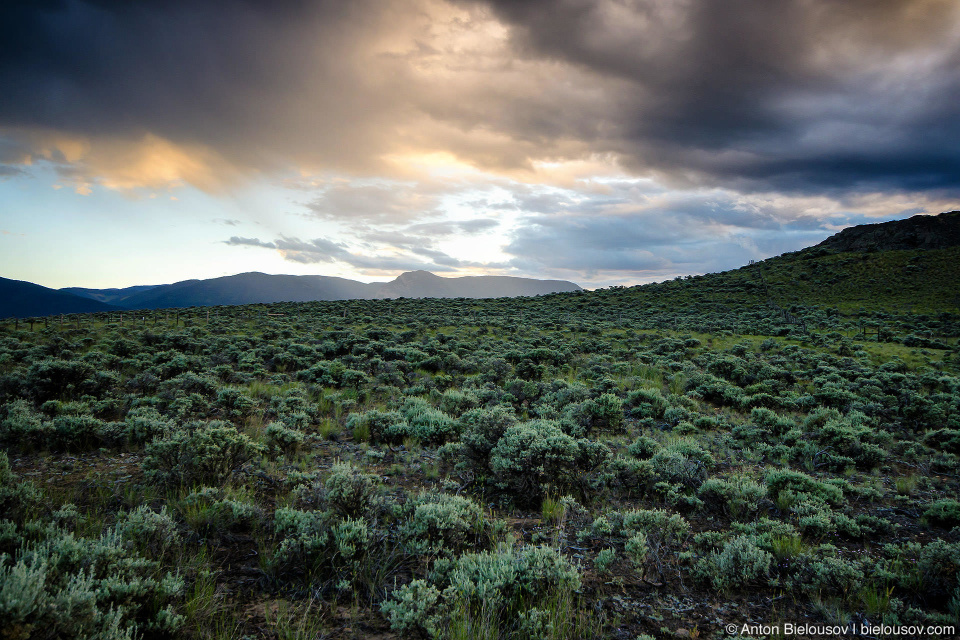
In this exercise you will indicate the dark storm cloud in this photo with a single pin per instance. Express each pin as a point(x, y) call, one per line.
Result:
point(259, 85)
point(796, 94)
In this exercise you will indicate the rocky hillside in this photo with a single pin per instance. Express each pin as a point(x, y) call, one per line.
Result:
point(919, 232)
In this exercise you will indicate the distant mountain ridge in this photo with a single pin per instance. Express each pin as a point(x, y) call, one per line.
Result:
point(423, 284)
point(918, 232)
point(110, 296)
point(24, 299)
point(20, 299)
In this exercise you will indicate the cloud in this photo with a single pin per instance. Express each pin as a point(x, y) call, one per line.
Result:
point(633, 234)
point(226, 86)
point(323, 250)
point(794, 95)
point(799, 95)
point(238, 241)
point(622, 139)
point(453, 227)
point(373, 203)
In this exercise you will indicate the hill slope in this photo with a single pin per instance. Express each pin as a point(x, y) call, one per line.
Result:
point(859, 268)
point(19, 299)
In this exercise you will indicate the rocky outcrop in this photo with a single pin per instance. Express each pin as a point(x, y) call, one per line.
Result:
point(919, 232)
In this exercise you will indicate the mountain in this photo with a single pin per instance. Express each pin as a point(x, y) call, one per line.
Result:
point(110, 296)
point(423, 284)
point(247, 288)
point(19, 299)
point(252, 288)
point(919, 232)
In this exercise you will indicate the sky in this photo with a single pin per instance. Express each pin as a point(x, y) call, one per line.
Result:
point(599, 141)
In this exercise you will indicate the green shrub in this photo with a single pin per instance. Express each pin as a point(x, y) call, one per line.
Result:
point(644, 447)
point(627, 476)
point(943, 513)
point(604, 559)
point(209, 454)
point(927, 570)
point(832, 574)
point(853, 441)
point(381, 426)
point(23, 427)
point(74, 433)
point(143, 424)
point(455, 403)
point(646, 403)
point(781, 480)
point(536, 455)
point(675, 468)
point(281, 439)
point(504, 592)
point(944, 439)
point(439, 522)
point(637, 549)
point(656, 524)
point(740, 497)
point(348, 491)
point(149, 532)
point(54, 378)
point(208, 512)
point(602, 413)
point(417, 608)
point(428, 425)
point(692, 451)
point(814, 517)
point(69, 587)
point(326, 551)
point(676, 415)
point(481, 430)
point(18, 499)
point(740, 563)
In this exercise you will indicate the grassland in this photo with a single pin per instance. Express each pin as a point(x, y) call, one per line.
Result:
point(775, 444)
